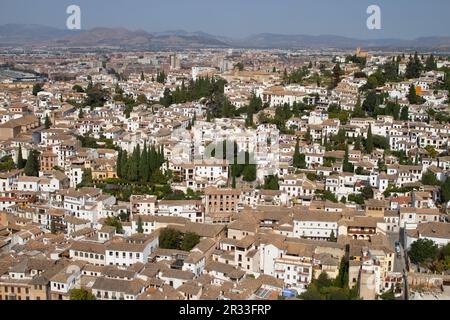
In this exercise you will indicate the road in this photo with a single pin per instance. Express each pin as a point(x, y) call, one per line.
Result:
point(400, 261)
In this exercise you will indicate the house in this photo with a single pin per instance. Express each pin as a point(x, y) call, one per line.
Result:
point(439, 232)
point(127, 252)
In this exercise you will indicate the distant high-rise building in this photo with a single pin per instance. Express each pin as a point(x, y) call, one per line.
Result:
point(174, 62)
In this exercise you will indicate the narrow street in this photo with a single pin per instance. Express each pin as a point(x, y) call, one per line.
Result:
point(400, 261)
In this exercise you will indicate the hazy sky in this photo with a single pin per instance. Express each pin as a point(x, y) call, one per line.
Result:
point(406, 19)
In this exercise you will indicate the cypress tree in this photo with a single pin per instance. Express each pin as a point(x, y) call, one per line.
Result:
point(47, 122)
point(404, 114)
point(124, 165)
point(140, 229)
point(346, 165)
point(20, 160)
point(119, 164)
point(297, 156)
point(133, 169)
point(143, 164)
point(369, 141)
point(32, 165)
point(358, 143)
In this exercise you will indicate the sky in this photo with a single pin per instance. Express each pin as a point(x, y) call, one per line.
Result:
point(404, 19)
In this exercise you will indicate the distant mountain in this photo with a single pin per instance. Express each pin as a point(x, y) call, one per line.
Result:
point(29, 33)
point(270, 40)
point(33, 35)
point(36, 35)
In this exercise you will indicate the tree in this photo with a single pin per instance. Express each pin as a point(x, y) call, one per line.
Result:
point(86, 179)
point(47, 122)
point(358, 143)
point(341, 280)
point(367, 192)
point(20, 161)
point(53, 227)
point(170, 238)
point(388, 295)
point(369, 140)
point(308, 136)
point(346, 165)
point(144, 168)
point(446, 190)
point(412, 96)
point(271, 183)
point(312, 293)
point(77, 88)
point(80, 114)
point(337, 72)
point(323, 281)
point(332, 235)
point(114, 222)
point(423, 250)
point(81, 294)
point(142, 76)
point(139, 229)
point(371, 102)
point(32, 165)
point(249, 173)
point(358, 112)
point(431, 151)
point(189, 241)
point(430, 63)
point(429, 179)
point(239, 66)
point(404, 115)
point(37, 87)
point(298, 158)
point(414, 67)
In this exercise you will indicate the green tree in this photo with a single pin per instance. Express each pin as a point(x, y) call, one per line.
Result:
point(144, 167)
point(298, 158)
point(337, 72)
point(239, 66)
point(412, 96)
point(423, 250)
point(271, 183)
point(404, 115)
point(170, 238)
point(358, 112)
point(53, 227)
point(86, 179)
point(189, 241)
point(341, 280)
point(312, 293)
point(429, 179)
point(414, 67)
point(332, 236)
point(81, 294)
point(77, 88)
point(346, 165)
point(446, 190)
point(47, 122)
point(369, 140)
point(37, 87)
point(114, 222)
point(430, 63)
point(20, 161)
point(139, 229)
point(32, 165)
point(357, 143)
point(388, 295)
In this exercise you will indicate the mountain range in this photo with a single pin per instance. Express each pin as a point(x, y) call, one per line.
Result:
point(44, 36)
